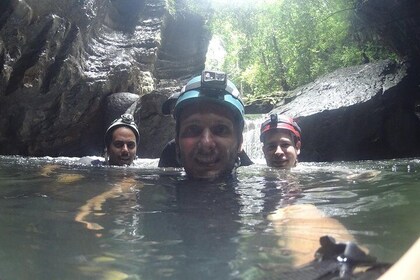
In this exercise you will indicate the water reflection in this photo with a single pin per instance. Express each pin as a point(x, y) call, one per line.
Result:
point(69, 221)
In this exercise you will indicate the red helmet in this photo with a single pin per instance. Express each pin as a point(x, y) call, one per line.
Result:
point(280, 122)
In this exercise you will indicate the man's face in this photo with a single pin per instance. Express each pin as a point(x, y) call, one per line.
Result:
point(207, 142)
point(123, 147)
point(280, 150)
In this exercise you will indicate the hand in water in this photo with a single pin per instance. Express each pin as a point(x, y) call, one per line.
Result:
point(94, 205)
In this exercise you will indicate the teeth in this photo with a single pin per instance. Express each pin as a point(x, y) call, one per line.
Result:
point(206, 160)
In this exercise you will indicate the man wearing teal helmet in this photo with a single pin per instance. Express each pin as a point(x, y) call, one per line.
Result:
point(209, 118)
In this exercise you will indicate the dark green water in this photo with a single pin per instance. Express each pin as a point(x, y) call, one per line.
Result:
point(157, 225)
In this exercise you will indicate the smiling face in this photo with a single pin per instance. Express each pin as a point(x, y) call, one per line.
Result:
point(280, 150)
point(207, 142)
point(122, 149)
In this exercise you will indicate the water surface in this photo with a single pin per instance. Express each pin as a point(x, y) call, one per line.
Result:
point(64, 220)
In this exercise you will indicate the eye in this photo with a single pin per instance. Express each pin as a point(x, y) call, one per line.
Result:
point(221, 130)
point(131, 145)
point(270, 147)
point(285, 145)
point(118, 144)
point(191, 131)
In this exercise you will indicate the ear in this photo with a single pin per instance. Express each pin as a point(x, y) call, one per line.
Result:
point(298, 145)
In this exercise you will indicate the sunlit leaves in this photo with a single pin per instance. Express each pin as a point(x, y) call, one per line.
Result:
point(278, 45)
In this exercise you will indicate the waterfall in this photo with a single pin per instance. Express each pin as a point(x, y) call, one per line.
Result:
point(252, 144)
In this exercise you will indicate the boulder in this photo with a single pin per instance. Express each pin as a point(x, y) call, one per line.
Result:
point(155, 129)
point(369, 111)
point(117, 104)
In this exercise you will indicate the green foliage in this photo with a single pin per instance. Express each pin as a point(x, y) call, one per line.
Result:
point(277, 45)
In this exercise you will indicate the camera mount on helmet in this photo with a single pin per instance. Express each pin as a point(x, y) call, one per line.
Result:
point(212, 82)
point(127, 119)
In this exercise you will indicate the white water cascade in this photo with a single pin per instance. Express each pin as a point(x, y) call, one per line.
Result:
point(252, 144)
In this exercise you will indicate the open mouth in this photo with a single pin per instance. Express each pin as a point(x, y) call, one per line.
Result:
point(124, 159)
point(279, 162)
point(206, 159)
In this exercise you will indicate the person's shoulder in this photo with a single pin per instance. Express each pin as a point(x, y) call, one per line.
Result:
point(90, 160)
point(168, 156)
point(245, 160)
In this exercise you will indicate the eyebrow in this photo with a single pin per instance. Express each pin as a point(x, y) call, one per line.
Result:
point(119, 140)
point(282, 140)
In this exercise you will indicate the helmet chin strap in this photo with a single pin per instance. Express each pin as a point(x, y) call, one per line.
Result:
point(178, 155)
point(237, 162)
point(106, 156)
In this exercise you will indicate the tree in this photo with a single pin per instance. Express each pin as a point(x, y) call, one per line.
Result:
point(274, 46)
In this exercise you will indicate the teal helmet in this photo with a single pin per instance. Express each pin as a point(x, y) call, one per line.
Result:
point(211, 86)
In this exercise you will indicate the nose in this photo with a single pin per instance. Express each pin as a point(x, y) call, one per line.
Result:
point(206, 139)
point(279, 151)
point(125, 147)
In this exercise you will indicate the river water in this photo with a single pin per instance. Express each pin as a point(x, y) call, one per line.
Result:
point(61, 219)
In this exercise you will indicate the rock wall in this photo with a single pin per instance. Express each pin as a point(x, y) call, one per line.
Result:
point(61, 59)
point(369, 111)
point(397, 22)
